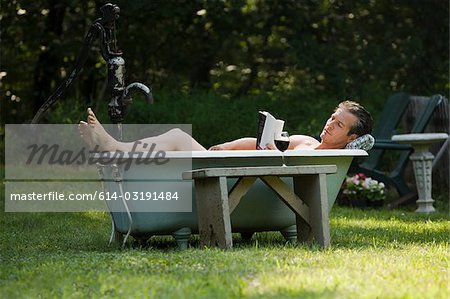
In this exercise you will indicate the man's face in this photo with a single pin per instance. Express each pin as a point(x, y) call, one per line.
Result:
point(335, 132)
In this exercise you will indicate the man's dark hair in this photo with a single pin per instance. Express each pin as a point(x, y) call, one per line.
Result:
point(365, 122)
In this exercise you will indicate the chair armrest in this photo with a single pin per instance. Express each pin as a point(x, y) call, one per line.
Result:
point(391, 145)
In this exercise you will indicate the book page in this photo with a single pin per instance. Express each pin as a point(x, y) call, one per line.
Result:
point(268, 128)
point(278, 129)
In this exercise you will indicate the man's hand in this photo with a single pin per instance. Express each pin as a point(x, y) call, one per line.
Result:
point(270, 146)
point(218, 147)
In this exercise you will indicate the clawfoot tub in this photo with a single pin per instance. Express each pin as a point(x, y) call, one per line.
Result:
point(258, 211)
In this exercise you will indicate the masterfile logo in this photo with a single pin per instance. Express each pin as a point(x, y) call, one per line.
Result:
point(49, 168)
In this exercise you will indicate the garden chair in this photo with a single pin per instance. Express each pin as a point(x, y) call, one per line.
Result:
point(390, 118)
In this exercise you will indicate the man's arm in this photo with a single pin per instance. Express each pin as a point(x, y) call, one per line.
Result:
point(246, 143)
point(249, 143)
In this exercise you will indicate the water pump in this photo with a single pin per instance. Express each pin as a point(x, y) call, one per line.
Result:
point(104, 28)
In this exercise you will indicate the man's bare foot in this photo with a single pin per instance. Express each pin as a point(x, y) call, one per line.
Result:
point(95, 135)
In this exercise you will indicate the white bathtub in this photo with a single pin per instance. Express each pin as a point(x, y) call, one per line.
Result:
point(259, 210)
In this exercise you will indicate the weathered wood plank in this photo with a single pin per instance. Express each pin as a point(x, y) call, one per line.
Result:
point(313, 190)
point(239, 189)
point(213, 212)
point(286, 194)
point(259, 171)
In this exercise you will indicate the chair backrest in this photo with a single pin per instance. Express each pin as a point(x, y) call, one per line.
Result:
point(392, 114)
point(387, 124)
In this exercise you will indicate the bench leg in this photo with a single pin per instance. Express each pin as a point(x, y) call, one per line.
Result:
point(213, 212)
point(315, 196)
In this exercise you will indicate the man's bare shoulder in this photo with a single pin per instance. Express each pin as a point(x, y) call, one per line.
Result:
point(303, 142)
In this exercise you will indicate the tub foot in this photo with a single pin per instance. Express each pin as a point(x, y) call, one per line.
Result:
point(290, 234)
point(141, 242)
point(182, 237)
point(247, 236)
point(117, 238)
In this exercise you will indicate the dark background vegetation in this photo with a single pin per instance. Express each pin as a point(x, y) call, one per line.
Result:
point(214, 64)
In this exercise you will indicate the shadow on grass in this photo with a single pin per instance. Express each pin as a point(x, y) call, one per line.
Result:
point(90, 231)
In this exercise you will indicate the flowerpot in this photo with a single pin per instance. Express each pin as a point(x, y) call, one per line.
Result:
point(343, 201)
point(361, 203)
point(376, 204)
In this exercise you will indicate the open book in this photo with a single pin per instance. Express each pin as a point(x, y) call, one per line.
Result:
point(268, 128)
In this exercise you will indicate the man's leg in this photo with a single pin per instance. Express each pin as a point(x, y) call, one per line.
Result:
point(94, 134)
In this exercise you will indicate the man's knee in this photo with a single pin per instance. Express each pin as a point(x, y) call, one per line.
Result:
point(177, 132)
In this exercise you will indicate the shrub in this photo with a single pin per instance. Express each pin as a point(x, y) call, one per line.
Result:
point(361, 187)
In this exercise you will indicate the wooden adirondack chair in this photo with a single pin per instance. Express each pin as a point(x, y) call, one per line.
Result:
point(387, 124)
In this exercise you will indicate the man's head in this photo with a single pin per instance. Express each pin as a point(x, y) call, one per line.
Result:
point(349, 121)
point(364, 122)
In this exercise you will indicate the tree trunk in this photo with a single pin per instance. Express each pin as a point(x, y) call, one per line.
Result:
point(46, 69)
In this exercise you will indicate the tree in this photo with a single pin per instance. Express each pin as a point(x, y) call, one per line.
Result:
point(233, 47)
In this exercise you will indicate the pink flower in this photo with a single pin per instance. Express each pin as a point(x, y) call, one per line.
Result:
point(362, 176)
point(361, 186)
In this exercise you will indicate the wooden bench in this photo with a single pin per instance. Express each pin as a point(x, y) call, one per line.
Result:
point(308, 200)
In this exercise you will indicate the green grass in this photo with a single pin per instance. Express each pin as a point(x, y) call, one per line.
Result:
point(374, 254)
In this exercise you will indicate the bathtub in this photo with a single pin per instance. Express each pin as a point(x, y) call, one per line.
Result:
point(259, 210)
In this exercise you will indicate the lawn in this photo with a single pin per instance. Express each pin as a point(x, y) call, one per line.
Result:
point(374, 254)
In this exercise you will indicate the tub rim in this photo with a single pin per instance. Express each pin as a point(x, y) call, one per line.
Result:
point(241, 154)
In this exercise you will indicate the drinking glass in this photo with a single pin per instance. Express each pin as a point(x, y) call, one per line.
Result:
point(282, 144)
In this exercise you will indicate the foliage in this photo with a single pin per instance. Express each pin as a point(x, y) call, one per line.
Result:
point(359, 187)
point(216, 118)
point(231, 47)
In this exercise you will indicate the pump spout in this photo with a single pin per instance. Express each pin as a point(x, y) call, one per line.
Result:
point(138, 87)
point(121, 100)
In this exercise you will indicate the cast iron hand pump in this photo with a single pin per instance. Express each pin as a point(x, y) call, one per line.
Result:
point(104, 28)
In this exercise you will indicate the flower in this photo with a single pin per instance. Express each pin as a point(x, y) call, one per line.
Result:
point(360, 186)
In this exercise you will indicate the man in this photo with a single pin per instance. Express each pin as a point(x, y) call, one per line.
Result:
point(349, 121)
